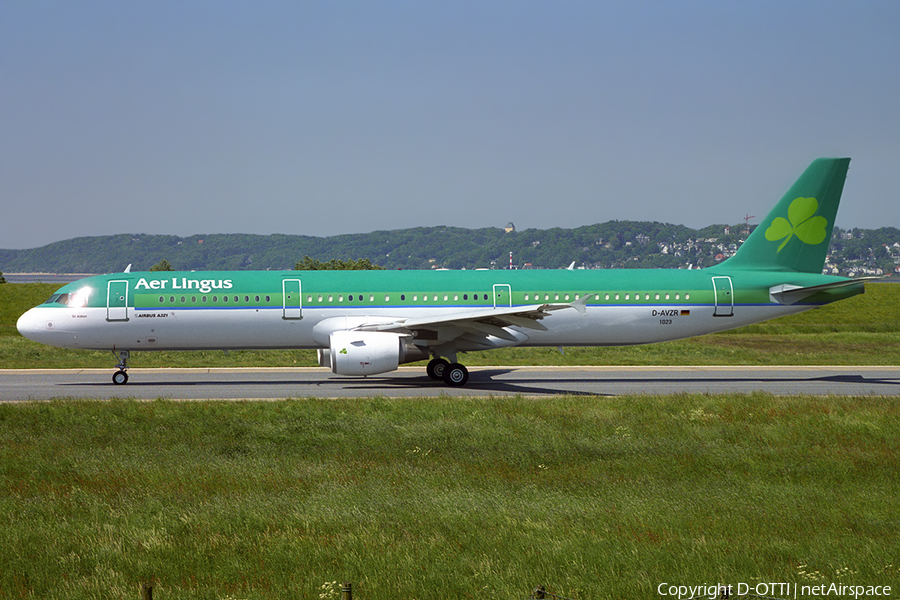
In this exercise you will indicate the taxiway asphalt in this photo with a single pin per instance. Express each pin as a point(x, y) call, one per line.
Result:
point(278, 383)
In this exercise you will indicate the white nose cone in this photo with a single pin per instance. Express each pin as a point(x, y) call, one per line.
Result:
point(37, 326)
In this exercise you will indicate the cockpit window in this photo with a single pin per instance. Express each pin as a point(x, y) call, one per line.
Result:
point(74, 299)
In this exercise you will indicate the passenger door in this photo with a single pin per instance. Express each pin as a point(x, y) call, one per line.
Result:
point(117, 300)
point(724, 295)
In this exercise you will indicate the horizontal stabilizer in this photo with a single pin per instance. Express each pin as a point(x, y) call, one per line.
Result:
point(791, 294)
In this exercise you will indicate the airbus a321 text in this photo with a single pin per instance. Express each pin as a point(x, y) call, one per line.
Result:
point(369, 322)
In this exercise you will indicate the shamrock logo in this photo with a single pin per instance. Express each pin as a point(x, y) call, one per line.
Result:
point(810, 229)
point(343, 351)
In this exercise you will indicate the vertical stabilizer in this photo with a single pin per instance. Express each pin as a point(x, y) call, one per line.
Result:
point(796, 234)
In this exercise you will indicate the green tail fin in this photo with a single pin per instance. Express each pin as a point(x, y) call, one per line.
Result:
point(795, 236)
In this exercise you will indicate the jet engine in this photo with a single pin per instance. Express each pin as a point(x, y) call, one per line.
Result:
point(367, 352)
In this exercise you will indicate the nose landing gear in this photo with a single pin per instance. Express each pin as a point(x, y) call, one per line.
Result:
point(120, 377)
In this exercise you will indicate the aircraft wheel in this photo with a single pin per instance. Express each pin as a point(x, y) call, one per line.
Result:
point(436, 367)
point(120, 377)
point(456, 375)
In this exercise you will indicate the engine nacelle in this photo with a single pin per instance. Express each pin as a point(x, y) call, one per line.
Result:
point(364, 352)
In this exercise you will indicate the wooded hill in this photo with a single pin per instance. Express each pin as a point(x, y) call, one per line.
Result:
point(614, 244)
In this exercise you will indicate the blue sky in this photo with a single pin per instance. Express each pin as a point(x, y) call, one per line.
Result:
point(323, 118)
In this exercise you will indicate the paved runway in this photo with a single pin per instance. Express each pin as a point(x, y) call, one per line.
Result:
point(275, 383)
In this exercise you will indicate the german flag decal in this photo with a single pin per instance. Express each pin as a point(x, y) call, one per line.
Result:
point(685, 313)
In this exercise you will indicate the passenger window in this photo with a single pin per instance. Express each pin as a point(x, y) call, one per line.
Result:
point(161, 299)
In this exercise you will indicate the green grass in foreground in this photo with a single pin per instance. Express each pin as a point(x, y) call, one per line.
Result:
point(863, 330)
point(446, 498)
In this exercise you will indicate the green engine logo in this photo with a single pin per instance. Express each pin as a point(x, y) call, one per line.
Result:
point(809, 229)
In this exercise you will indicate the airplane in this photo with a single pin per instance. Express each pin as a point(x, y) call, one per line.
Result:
point(370, 322)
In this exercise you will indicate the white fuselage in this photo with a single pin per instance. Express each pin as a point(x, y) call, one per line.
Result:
point(258, 328)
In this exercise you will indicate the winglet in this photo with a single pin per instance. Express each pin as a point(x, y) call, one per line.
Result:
point(127, 269)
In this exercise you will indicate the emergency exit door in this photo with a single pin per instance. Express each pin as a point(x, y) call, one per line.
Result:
point(293, 305)
point(502, 295)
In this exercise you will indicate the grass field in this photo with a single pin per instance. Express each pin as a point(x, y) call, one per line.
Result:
point(446, 498)
point(594, 497)
point(864, 330)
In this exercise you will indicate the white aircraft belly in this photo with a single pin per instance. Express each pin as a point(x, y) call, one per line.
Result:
point(205, 329)
point(626, 325)
point(201, 329)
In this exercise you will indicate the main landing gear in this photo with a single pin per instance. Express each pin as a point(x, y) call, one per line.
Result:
point(453, 374)
point(120, 377)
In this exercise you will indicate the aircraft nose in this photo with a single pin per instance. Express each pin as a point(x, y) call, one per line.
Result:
point(35, 325)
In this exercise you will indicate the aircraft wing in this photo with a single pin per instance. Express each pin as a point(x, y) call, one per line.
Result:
point(476, 325)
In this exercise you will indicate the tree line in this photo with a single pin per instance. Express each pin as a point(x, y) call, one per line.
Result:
point(614, 244)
